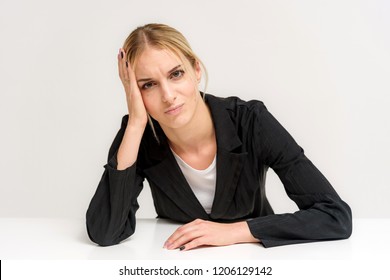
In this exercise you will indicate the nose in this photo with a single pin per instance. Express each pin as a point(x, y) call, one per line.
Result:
point(168, 95)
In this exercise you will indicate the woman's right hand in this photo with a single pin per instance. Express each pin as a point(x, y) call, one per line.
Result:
point(137, 112)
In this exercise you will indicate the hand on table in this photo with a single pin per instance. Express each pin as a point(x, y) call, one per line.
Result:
point(200, 232)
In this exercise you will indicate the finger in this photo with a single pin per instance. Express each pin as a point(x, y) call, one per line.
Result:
point(123, 65)
point(185, 238)
point(120, 64)
point(180, 231)
point(195, 243)
point(173, 241)
point(186, 233)
point(131, 75)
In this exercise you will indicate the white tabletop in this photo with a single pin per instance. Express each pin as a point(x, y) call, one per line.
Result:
point(66, 239)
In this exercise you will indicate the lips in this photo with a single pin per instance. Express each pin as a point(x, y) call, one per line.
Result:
point(174, 109)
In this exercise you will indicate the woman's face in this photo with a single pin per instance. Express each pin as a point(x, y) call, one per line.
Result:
point(169, 93)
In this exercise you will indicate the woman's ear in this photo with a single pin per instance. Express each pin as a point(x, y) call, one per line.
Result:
point(198, 71)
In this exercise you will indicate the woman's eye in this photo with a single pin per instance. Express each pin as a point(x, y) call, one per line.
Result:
point(177, 74)
point(147, 85)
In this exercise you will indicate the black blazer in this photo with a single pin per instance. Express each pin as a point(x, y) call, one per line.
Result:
point(249, 140)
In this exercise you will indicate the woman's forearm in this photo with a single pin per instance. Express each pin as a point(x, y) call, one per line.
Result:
point(128, 150)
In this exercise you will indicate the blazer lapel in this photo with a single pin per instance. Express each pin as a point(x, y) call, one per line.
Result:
point(230, 159)
point(167, 176)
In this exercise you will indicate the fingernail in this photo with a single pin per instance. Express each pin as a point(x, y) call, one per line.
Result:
point(181, 248)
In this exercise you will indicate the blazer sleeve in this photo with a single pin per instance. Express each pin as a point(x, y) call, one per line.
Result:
point(111, 213)
point(323, 215)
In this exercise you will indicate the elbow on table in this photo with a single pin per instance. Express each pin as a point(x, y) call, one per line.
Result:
point(102, 241)
point(344, 222)
point(109, 238)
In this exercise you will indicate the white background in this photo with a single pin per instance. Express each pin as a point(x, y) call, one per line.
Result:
point(321, 67)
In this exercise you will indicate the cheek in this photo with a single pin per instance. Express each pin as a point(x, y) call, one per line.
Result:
point(190, 89)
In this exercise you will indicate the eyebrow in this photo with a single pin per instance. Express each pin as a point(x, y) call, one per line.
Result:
point(169, 72)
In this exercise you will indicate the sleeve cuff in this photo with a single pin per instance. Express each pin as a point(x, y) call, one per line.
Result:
point(113, 164)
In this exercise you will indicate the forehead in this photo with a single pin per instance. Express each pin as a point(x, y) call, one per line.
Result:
point(154, 60)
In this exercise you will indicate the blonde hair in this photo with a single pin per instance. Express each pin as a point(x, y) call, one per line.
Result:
point(164, 37)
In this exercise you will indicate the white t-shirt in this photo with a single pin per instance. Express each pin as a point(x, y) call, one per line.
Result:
point(202, 182)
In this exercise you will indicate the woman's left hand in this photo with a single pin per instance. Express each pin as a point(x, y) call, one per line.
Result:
point(200, 232)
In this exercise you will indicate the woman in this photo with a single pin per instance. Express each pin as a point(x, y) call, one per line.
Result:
point(205, 159)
